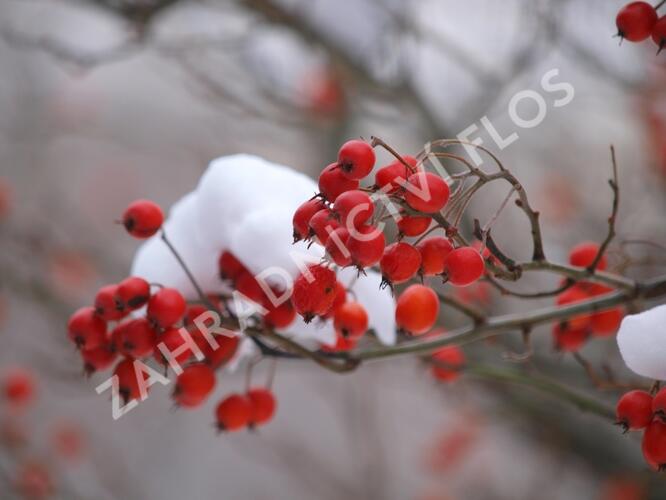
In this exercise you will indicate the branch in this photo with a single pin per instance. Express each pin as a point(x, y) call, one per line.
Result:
point(611, 220)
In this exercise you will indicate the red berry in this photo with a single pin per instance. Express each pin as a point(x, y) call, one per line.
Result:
point(229, 266)
point(166, 307)
point(433, 254)
point(426, 192)
point(194, 385)
point(659, 404)
point(417, 309)
point(463, 266)
point(356, 159)
point(336, 247)
point(332, 182)
point(322, 224)
point(105, 303)
point(341, 345)
point(447, 363)
point(192, 313)
point(172, 341)
point(226, 349)
point(400, 262)
point(233, 413)
point(137, 338)
point(262, 405)
point(18, 388)
point(634, 410)
point(98, 359)
point(340, 298)
point(366, 246)
point(393, 176)
point(281, 316)
point(583, 254)
point(568, 339)
point(132, 293)
point(86, 329)
point(250, 287)
point(659, 33)
point(34, 481)
point(143, 218)
point(413, 226)
point(654, 445)
point(351, 320)
point(571, 296)
point(302, 216)
point(313, 294)
point(353, 208)
point(635, 21)
point(128, 382)
point(606, 323)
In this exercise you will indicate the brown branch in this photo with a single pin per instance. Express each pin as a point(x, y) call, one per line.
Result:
point(611, 220)
point(472, 312)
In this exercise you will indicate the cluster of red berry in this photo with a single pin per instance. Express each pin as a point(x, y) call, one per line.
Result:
point(169, 326)
point(571, 335)
point(639, 21)
point(639, 410)
point(342, 218)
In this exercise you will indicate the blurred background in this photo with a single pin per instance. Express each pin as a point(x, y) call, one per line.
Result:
point(106, 101)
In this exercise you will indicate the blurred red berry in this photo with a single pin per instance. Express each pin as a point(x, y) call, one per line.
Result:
point(194, 385)
point(433, 252)
point(583, 254)
point(262, 405)
point(166, 307)
point(417, 309)
point(86, 329)
point(143, 218)
point(634, 410)
point(233, 413)
point(463, 266)
point(447, 363)
point(400, 262)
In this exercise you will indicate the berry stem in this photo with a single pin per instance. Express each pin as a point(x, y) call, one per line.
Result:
point(660, 5)
point(190, 276)
point(376, 141)
point(543, 384)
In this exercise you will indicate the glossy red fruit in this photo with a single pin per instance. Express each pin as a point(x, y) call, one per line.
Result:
point(105, 303)
point(356, 159)
point(447, 363)
point(223, 353)
point(18, 388)
point(194, 385)
point(659, 33)
point(250, 287)
point(571, 296)
point(302, 216)
point(143, 218)
point(568, 339)
point(281, 316)
point(193, 312)
point(86, 329)
point(434, 252)
point(322, 224)
point(463, 266)
point(132, 293)
point(426, 192)
point(172, 340)
point(654, 445)
point(606, 323)
point(351, 320)
point(314, 292)
point(340, 298)
point(659, 404)
point(583, 254)
point(233, 413)
point(366, 245)
point(138, 338)
point(413, 226)
point(417, 309)
point(262, 406)
point(400, 262)
point(341, 345)
point(634, 410)
point(166, 307)
point(337, 249)
point(98, 359)
point(229, 266)
point(332, 182)
point(635, 21)
point(128, 381)
point(394, 175)
point(353, 208)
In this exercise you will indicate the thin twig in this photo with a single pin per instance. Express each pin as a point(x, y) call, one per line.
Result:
point(611, 220)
